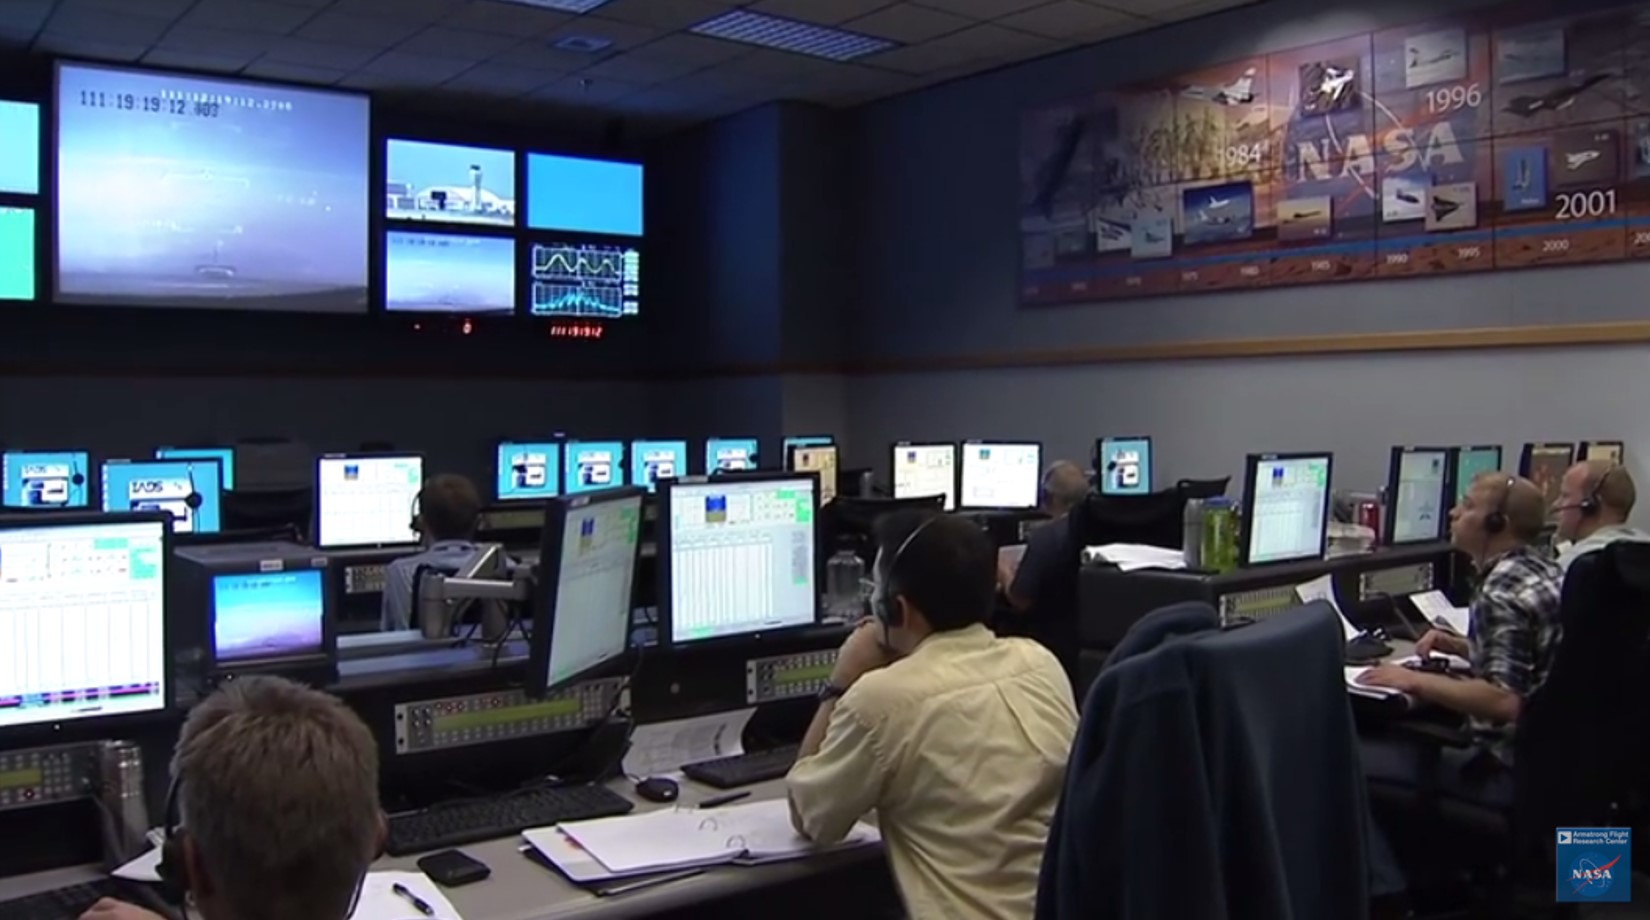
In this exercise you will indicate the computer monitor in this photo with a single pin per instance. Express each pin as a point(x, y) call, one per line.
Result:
point(921, 470)
point(45, 479)
point(654, 460)
point(804, 440)
point(1001, 474)
point(587, 567)
point(1123, 465)
point(527, 470)
point(85, 599)
point(1608, 451)
point(191, 491)
point(736, 556)
point(364, 500)
point(730, 455)
point(1469, 462)
point(815, 458)
point(224, 455)
point(268, 622)
point(594, 465)
point(1417, 495)
point(1285, 507)
point(1545, 465)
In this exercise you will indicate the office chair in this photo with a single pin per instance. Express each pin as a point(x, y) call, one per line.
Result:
point(1203, 489)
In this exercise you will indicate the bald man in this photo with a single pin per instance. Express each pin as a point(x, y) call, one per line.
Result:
point(1595, 497)
point(1512, 633)
point(1042, 591)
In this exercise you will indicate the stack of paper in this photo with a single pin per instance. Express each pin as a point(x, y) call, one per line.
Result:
point(1131, 557)
point(1436, 609)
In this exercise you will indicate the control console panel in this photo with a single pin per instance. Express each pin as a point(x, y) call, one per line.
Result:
point(1257, 603)
point(364, 579)
point(786, 677)
point(484, 718)
point(1395, 582)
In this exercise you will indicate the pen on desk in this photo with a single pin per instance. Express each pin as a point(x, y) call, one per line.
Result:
point(726, 799)
point(417, 902)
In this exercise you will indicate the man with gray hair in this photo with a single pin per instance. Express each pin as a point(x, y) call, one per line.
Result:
point(276, 789)
point(1042, 590)
point(1594, 499)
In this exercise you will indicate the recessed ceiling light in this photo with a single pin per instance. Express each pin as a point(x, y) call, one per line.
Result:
point(791, 35)
point(583, 44)
point(565, 6)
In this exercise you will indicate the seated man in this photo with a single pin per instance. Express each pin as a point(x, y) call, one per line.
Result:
point(448, 509)
point(277, 797)
point(1594, 501)
point(1043, 589)
point(956, 737)
point(1513, 631)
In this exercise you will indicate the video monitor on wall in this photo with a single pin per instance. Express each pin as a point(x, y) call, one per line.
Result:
point(584, 195)
point(19, 147)
point(16, 253)
point(581, 280)
point(449, 183)
point(186, 191)
point(449, 273)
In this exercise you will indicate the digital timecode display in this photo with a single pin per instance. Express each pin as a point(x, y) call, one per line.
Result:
point(172, 105)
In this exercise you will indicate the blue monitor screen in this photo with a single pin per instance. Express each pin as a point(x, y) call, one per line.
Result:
point(268, 615)
point(654, 460)
point(806, 440)
point(1124, 466)
point(584, 196)
point(451, 184)
point(39, 479)
point(444, 273)
point(190, 490)
point(16, 253)
point(594, 465)
point(19, 147)
point(224, 455)
point(585, 279)
point(722, 454)
point(528, 469)
point(184, 191)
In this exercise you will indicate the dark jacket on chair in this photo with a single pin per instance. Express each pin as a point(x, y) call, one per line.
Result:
point(1215, 775)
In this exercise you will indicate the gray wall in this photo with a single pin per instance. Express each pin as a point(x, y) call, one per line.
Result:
point(938, 266)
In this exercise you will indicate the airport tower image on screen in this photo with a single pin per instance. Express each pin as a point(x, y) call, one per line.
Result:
point(451, 184)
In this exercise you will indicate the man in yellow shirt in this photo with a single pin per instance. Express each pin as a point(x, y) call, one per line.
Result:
point(957, 738)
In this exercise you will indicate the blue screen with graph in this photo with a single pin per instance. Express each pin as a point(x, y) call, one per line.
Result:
point(584, 280)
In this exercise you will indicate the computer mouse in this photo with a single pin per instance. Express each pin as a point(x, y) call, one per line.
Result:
point(658, 789)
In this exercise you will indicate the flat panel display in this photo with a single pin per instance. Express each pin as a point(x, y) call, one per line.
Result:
point(184, 191)
point(16, 253)
point(581, 279)
point(45, 479)
point(584, 195)
point(260, 616)
point(528, 470)
point(191, 491)
point(19, 147)
point(594, 465)
point(449, 273)
point(449, 183)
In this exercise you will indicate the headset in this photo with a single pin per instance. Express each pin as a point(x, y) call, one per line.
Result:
point(1496, 521)
point(416, 522)
point(882, 599)
point(1592, 504)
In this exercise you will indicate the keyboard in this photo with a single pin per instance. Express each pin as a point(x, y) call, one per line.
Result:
point(743, 770)
point(442, 826)
point(70, 902)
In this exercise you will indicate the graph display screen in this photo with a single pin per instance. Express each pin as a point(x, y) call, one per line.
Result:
point(191, 491)
point(261, 616)
point(1288, 505)
point(16, 253)
point(447, 273)
point(592, 587)
point(588, 280)
point(42, 479)
point(448, 183)
point(85, 608)
point(1000, 475)
point(184, 191)
point(1418, 495)
point(19, 147)
point(367, 501)
point(741, 557)
point(1471, 461)
point(583, 195)
point(921, 470)
point(528, 470)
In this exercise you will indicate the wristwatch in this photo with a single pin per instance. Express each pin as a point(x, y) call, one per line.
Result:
point(831, 692)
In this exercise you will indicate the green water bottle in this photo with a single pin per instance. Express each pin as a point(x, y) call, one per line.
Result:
point(1219, 535)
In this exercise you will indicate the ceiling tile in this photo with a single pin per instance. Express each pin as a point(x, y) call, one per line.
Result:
point(501, 79)
point(191, 60)
point(852, 78)
point(622, 34)
point(1178, 12)
point(505, 18)
point(417, 69)
point(247, 15)
point(539, 54)
point(373, 82)
point(669, 15)
point(24, 15)
point(983, 9)
point(1071, 20)
point(324, 55)
point(827, 12)
point(195, 40)
point(163, 9)
point(983, 42)
point(75, 46)
point(642, 71)
point(582, 91)
point(366, 31)
point(765, 63)
point(92, 24)
point(691, 49)
point(296, 73)
point(908, 23)
point(459, 43)
point(420, 12)
point(719, 81)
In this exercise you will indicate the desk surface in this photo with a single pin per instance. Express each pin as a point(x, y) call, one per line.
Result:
point(523, 890)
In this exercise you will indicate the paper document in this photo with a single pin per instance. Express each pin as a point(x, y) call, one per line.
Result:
point(380, 902)
point(1353, 687)
point(1130, 557)
point(1322, 588)
point(678, 838)
point(658, 750)
point(1437, 610)
point(1008, 560)
point(143, 869)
